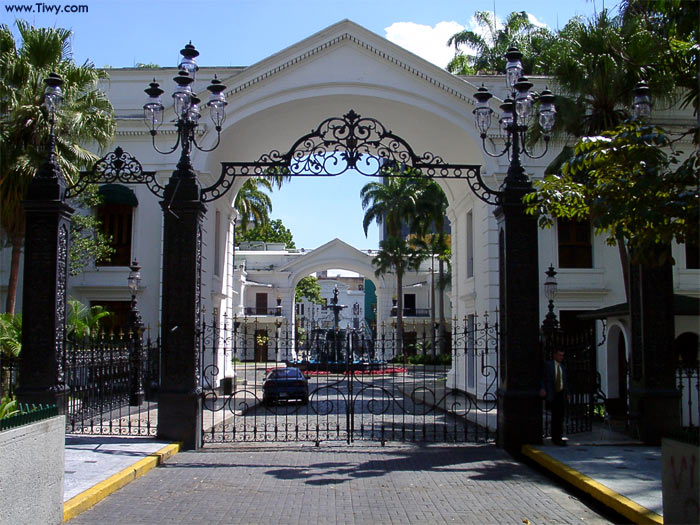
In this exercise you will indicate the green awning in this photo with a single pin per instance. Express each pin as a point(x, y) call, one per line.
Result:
point(118, 194)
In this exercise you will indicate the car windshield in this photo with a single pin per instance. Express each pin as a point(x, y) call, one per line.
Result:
point(285, 373)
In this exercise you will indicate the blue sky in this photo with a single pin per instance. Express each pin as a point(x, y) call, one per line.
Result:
point(241, 32)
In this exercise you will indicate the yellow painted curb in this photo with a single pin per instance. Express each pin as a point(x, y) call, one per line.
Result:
point(88, 498)
point(619, 503)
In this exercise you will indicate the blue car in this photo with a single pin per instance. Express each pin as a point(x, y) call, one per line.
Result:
point(283, 384)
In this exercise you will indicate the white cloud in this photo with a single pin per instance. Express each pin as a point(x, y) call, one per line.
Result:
point(534, 21)
point(430, 42)
point(427, 42)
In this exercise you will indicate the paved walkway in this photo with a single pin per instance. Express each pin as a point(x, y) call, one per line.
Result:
point(362, 483)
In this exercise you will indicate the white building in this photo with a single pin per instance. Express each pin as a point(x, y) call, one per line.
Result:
point(277, 100)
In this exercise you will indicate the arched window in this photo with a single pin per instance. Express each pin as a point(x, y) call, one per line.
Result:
point(116, 215)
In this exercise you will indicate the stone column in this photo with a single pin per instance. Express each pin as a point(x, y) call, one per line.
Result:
point(47, 241)
point(180, 394)
point(519, 404)
point(654, 399)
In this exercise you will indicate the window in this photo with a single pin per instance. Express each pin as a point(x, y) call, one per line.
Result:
point(116, 215)
point(409, 304)
point(261, 304)
point(574, 241)
point(217, 244)
point(470, 245)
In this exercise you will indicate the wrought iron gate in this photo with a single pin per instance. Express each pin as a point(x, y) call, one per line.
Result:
point(359, 387)
point(112, 385)
point(583, 379)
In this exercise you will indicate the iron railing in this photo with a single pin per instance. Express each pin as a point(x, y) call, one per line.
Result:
point(103, 394)
point(9, 368)
point(28, 414)
point(254, 310)
point(583, 380)
point(688, 384)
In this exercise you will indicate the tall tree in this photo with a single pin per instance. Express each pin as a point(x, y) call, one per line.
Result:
point(634, 186)
point(596, 64)
point(86, 119)
point(429, 225)
point(272, 231)
point(252, 203)
point(396, 256)
point(308, 288)
point(392, 202)
point(490, 42)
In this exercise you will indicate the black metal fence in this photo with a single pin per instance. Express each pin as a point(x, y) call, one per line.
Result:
point(688, 384)
point(9, 368)
point(112, 384)
point(583, 380)
point(355, 387)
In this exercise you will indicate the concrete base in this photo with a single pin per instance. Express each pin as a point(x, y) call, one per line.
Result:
point(679, 477)
point(519, 419)
point(180, 418)
point(656, 412)
point(31, 471)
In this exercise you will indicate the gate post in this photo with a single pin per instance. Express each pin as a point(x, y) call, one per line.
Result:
point(46, 244)
point(519, 404)
point(179, 396)
point(654, 398)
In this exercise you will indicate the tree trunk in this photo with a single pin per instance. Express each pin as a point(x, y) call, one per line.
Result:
point(443, 339)
point(432, 305)
point(399, 313)
point(625, 262)
point(11, 299)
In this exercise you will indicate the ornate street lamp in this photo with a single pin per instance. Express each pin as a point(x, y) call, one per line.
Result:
point(518, 392)
point(53, 100)
point(642, 101)
point(136, 395)
point(550, 323)
point(515, 116)
point(186, 107)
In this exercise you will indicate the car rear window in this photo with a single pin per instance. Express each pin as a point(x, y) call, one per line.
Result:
point(289, 373)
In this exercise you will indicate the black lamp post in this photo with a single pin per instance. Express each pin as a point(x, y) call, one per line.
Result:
point(136, 395)
point(550, 323)
point(518, 398)
point(47, 242)
point(180, 393)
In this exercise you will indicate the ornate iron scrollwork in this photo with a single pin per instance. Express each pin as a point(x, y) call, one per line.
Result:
point(117, 166)
point(350, 142)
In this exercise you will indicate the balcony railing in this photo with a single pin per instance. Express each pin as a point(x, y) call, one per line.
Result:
point(254, 310)
point(412, 312)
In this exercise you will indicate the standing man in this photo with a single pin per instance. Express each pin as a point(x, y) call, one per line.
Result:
point(554, 392)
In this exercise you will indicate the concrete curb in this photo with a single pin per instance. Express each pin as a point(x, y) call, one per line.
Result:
point(619, 503)
point(88, 498)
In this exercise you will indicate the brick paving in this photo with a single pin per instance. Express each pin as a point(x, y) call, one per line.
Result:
point(339, 484)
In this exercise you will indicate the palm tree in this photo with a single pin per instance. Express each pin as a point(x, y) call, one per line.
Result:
point(595, 64)
point(10, 347)
point(84, 321)
point(396, 256)
point(86, 118)
point(392, 202)
point(517, 31)
point(252, 203)
point(429, 224)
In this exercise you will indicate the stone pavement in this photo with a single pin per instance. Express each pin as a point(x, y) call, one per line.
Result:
point(336, 483)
